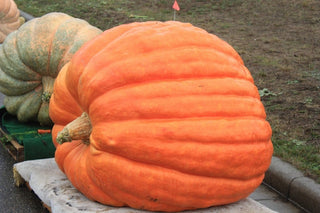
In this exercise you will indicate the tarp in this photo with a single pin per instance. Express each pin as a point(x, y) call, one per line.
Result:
point(36, 146)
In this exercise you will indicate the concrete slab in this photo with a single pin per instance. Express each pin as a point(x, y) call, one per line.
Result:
point(25, 15)
point(263, 193)
point(293, 185)
point(273, 201)
point(56, 191)
point(306, 192)
point(281, 206)
point(280, 175)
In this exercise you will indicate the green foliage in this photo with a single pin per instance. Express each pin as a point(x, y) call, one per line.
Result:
point(266, 92)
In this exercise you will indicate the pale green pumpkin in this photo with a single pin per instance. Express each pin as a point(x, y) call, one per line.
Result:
point(31, 58)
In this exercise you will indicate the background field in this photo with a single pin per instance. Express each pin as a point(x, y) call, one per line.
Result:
point(279, 42)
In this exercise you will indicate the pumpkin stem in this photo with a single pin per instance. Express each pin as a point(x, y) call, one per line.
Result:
point(78, 129)
point(47, 84)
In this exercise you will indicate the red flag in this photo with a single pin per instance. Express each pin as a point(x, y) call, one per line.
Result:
point(176, 6)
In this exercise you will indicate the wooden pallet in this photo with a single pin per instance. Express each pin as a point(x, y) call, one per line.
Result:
point(20, 182)
point(15, 149)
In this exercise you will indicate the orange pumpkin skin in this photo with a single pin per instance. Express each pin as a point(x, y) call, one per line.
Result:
point(177, 122)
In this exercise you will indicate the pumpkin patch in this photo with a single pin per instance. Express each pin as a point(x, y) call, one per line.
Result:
point(32, 56)
point(161, 116)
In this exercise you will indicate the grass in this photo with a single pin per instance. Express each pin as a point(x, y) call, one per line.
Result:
point(277, 40)
point(298, 153)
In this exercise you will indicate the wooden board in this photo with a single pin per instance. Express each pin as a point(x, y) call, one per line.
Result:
point(20, 182)
point(15, 149)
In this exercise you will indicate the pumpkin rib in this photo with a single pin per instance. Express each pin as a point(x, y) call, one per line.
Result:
point(89, 49)
point(12, 62)
point(185, 56)
point(34, 27)
point(201, 85)
point(10, 28)
point(186, 159)
point(65, 149)
point(9, 18)
point(11, 87)
point(168, 107)
point(112, 53)
point(20, 50)
point(32, 105)
point(114, 56)
point(189, 190)
point(190, 129)
point(132, 198)
point(50, 48)
point(70, 48)
point(194, 49)
point(9, 11)
point(101, 49)
point(111, 58)
point(10, 15)
point(92, 88)
point(130, 85)
point(139, 33)
point(62, 112)
point(49, 53)
point(69, 165)
point(14, 103)
point(75, 38)
point(70, 159)
point(118, 139)
point(66, 110)
point(179, 87)
point(49, 40)
point(6, 5)
point(85, 180)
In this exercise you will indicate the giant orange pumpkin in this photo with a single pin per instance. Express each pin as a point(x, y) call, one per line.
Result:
point(166, 118)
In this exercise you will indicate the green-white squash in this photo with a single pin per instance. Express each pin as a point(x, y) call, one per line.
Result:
point(31, 58)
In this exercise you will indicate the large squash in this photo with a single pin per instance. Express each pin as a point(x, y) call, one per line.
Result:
point(169, 119)
point(31, 57)
point(10, 19)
